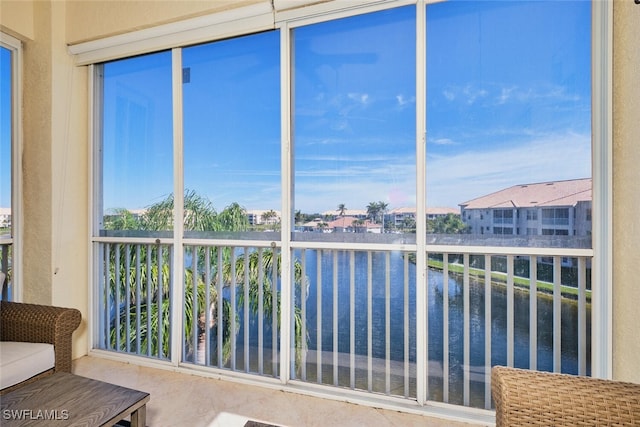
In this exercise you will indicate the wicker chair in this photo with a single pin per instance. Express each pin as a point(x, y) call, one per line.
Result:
point(40, 324)
point(532, 398)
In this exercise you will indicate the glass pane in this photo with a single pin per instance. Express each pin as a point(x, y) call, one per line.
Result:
point(232, 137)
point(359, 319)
point(509, 122)
point(509, 151)
point(137, 146)
point(354, 133)
point(6, 129)
point(5, 142)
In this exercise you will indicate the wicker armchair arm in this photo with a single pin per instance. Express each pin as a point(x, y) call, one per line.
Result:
point(533, 398)
point(41, 324)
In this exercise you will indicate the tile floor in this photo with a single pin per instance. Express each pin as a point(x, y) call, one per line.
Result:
point(179, 399)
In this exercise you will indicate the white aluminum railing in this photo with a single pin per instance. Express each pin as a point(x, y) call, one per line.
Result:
point(242, 283)
point(134, 298)
point(354, 312)
point(5, 267)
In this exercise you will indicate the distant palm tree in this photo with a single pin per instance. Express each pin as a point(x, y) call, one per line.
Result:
point(372, 211)
point(341, 209)
point(122, 219)
point(448, 224)
point(269, 215)
point(409, 224)
point(382, 209)
point(358, 223)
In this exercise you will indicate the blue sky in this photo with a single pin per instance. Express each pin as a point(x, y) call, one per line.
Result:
point(508, 98)
point(508, 102)
point(5, 127)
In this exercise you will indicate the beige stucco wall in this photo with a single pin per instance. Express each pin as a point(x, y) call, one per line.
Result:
point(36, 160)
point(55, 164)
point(16, 18)
point(54, 160)
point(96, 19)
point(69, 180)
point(626, 191)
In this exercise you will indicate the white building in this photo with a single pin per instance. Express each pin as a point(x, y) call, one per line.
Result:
point(335, 214)
point(558, 208)
point(5, 217)
point(398, 216)
point(257, 216)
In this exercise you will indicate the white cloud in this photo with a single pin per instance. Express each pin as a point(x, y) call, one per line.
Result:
point(505, 95)
point(442, 141)
point(449, 94)
point(361, 98)
point(502, 93)
point(402, 101)
point(358, 178)
point(463, 176)
point(356, 183)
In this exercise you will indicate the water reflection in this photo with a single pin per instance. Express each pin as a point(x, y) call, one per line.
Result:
point(380, 292)
point(401, 309)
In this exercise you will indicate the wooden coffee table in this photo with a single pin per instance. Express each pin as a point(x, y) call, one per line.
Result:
point(64, 399)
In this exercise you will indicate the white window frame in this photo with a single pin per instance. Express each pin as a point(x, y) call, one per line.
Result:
point(286, 15)
point(15, 46)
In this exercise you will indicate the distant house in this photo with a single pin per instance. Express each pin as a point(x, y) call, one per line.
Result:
point(335, 214)
point(352, 224)
point(399, 216)
point(317, 225)
point(559, 208)
point(257, 217)
point(343, 224)
point(5, 217)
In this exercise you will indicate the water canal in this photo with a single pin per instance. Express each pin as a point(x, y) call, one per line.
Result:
point(333, 297)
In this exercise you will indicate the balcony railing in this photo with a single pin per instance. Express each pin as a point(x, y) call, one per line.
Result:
point(353, 313)
point(243, 284)
point(134, 298)
point(6, 253)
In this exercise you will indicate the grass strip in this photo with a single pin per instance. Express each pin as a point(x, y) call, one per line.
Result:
point(500, 278)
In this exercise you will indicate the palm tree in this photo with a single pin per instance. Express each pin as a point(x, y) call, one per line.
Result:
point(358, 223)
point(121, 219)
point(448, 224)
point(382, 209)
point(141, 326)
point(341, 209)
point(409, 224)
point(269, 215)
point(233, 218)
point(372, 211)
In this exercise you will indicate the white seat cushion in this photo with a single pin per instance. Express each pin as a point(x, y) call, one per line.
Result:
point(20, 361)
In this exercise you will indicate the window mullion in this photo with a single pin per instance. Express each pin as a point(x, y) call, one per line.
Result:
point(15, 47)
point(602, 328)
point(287, 340)
point(421, 217)
point(177, 300)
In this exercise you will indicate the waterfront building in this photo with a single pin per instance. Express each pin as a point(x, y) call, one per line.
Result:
point(355, 213)
point(343, 224)
point(556, 208)
point(5, 217)
point(399, 216)
point(262, 216)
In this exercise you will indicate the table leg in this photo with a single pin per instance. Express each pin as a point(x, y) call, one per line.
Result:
point(138, 417)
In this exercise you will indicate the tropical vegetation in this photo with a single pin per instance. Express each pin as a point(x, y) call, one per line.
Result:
point(447, 224)
point(140, 282)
